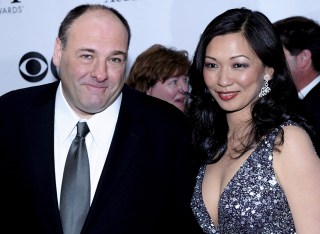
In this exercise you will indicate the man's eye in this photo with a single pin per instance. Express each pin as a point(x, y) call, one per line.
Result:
point(115, 60)
point(86, 56)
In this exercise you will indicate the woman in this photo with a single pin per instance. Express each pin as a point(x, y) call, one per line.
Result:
point(260, 171)
point(162, 72)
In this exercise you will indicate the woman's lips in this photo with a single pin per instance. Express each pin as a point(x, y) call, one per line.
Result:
point(226, 96)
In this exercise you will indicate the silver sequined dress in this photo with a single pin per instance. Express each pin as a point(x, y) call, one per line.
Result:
point(252, 202)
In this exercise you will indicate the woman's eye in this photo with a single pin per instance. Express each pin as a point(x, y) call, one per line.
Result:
point(210, 65)
point(240, 65)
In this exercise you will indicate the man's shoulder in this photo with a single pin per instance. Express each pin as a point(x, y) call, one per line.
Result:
point(143, 101)
point(30, 94)
point(148, 107)
point(33, 89)
point(313, 95)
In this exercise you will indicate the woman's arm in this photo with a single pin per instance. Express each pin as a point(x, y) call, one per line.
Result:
point(297, 167)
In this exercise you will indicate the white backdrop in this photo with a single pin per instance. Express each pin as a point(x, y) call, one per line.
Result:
point(31, 26)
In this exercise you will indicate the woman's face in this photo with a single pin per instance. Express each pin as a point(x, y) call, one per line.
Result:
point(173, 90)
point(232, 72)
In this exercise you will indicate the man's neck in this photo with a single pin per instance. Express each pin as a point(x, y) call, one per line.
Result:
point(305, 79)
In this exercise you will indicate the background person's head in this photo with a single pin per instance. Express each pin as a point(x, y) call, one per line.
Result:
point(162, 72)
point(90, 54)
point(300, 37)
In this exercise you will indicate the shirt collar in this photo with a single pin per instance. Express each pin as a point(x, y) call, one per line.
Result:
point(303, 92)
point(65, 118)
point(101, 125)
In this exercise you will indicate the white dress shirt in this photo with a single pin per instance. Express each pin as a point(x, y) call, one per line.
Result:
point(303, 92)
point(98, 140)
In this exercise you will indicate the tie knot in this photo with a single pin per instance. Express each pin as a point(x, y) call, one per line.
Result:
point(82, 129)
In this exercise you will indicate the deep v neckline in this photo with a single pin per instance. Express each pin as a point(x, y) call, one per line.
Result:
point(227, 185)
point(246, 197)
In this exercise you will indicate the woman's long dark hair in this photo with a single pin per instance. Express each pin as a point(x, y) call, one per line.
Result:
point(268, 112)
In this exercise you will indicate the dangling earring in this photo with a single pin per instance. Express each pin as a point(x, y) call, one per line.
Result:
point(265, 88)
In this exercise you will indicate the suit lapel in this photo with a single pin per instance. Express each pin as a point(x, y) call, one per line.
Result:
point(41, 139)
point(123, 148)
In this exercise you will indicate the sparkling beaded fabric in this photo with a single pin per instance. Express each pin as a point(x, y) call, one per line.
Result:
point(253, 201)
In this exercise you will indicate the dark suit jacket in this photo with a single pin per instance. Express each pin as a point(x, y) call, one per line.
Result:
point(146, 183)
point(312, 101)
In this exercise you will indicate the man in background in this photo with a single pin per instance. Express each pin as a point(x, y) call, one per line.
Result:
point(300, 37)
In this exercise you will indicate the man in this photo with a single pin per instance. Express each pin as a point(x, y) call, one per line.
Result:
point(300, 37)
point(141, 172)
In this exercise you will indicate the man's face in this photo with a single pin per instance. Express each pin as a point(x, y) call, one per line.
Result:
point(92, 66)
point(292, 63)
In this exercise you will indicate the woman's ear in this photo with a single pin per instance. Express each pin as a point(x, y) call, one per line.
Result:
point(269, 73)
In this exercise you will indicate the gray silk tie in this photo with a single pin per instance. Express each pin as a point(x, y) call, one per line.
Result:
point(75, 189)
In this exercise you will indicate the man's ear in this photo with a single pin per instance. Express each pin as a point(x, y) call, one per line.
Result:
point(149, 91)
point(57, 52)
point(303, 59)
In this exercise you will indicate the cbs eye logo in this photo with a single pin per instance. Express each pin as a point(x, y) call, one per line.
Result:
point(33, 67)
